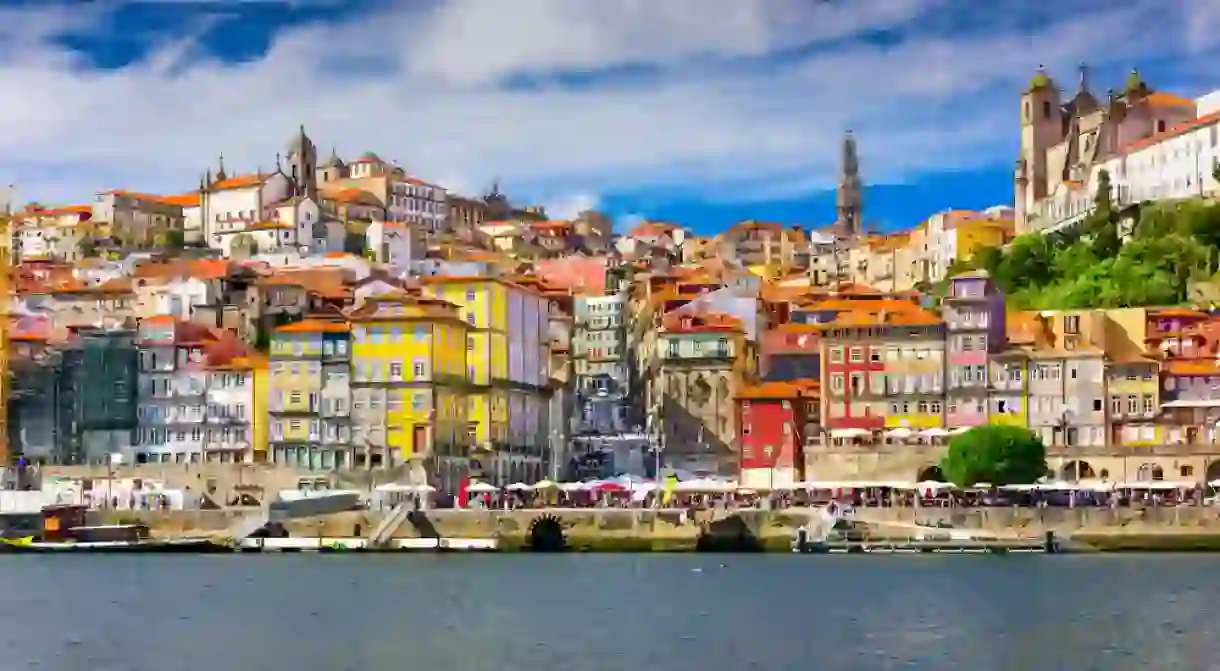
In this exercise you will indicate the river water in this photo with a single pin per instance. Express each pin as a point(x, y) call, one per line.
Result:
point(608, 612)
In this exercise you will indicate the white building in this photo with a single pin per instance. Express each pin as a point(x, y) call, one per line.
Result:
point(230, 412)
point(393, 244)
point(1174, 164)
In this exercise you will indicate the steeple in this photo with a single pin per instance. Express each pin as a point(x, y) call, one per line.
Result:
point(220, 172)
point(1084, 78)
point(849, 199)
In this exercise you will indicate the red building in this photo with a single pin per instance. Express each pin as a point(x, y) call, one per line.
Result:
point(846, 365)
point(775, 418)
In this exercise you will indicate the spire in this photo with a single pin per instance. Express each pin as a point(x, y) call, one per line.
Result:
point(1084, 78)
point(1040, 79)
point(849, 199)
point(278, 160)
point(220, 172)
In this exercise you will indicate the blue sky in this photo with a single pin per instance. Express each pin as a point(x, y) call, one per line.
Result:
point(704, 112)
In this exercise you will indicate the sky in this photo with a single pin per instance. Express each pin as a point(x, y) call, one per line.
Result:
point(703, 112)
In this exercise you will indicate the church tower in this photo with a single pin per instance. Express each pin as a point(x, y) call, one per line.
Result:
point(1041, 128)
point(849, 200)
point(302, 166)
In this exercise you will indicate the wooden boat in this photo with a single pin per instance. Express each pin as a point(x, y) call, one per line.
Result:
point(153, 545)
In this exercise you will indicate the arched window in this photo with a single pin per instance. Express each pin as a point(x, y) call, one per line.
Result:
point(1046, 109)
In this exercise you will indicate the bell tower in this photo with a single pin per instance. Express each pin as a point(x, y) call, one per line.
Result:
point(1041, 129)
point(302, 165)
point(849, 200)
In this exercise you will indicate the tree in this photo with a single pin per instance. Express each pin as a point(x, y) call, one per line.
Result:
point(173, 239)
point(1000, 455)
point(1102, 222)
point(87, 246)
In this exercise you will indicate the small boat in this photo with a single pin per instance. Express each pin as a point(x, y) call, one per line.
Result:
point(66, 529)
point(109, 539)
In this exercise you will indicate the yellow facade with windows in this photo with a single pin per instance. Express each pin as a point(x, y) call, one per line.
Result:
point(482, 303)
point(409, 362)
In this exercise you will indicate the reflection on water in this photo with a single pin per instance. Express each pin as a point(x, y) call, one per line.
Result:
point(630, 612)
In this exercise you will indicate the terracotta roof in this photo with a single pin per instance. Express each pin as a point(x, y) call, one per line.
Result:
point(1195, 367)
point(240, 182)
point(182, 200)
point(1169, 99)
point(315, 326)
point(701, 323)
point(1180, 129)
point(909, 316)
point(200, 269)
point(354, 195)
point(780, 390)
point(1177, 312)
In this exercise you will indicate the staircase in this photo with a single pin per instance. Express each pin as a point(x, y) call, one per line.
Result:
point(247, 526)
point(388, 525)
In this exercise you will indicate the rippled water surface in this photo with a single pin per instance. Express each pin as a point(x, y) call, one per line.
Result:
point(630, 612)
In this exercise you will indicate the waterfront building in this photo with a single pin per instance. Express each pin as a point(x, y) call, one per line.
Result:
point(409, 384)
point(599, 353)
point(507, 361)
point(97, 396)
point(776, 419)
point(173, 390)
point(703, 360)
point(310, 400)
point(974, 322)
point(237, 418)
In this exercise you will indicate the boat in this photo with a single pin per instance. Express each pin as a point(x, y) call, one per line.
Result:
point(66, 529)
point(154, 545)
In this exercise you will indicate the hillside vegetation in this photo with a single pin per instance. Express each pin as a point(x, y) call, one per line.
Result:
point(1173, 246)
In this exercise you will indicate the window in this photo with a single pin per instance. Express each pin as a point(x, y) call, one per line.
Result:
point(836, 382)
point(874, 354)
point(1148, 405)
point(857, 356)
point(836, 355)
point(395, 370)
point(1132, 405)
point(417, 368)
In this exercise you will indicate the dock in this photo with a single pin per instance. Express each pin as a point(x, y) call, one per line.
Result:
point(363, 545)
point(1044, 545)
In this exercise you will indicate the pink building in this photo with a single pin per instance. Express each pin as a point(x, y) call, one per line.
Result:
point(974, 326)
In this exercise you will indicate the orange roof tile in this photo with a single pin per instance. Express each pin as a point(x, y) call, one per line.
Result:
point(780, 389)
point(1195, 367)
point(240, 182)
point(1168, 99)
point(1180, 129)
point(315, 326)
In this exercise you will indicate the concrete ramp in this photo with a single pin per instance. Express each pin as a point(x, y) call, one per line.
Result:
point(312, 505)
point(388, 525)
point(247, 526)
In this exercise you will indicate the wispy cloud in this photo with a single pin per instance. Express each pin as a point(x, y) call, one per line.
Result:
point(745, 99)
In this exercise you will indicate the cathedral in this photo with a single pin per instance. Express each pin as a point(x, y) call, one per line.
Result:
point(1065, 140)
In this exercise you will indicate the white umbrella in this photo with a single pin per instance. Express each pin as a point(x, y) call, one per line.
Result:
point(899, 433)
point(424, 489)
point(517, 487)
point(571, 486)
point(934, 433)
point(960, 430)
point(482, 488)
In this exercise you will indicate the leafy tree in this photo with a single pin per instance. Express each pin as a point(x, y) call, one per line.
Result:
point(1102, 222)
point(1000, 455)
point(175, 239)
point(87, 246)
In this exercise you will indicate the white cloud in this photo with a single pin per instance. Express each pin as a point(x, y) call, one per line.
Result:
point(702, 123)
point(569, 205)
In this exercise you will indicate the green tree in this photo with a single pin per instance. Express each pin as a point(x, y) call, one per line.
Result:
point(87, 246)
point(1102, 222)
point(175, 239)
point(1000, 455)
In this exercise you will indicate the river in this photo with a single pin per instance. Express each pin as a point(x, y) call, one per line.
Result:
point(608, 612)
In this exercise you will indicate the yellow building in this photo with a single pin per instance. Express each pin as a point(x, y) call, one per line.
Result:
point(507, 362)
point(1008, 392)
point(409, 363)
point(309, 399)
point(260, 419)
point(4, 381)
